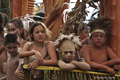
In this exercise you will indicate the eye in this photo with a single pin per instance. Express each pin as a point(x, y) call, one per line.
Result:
point(37, 32)
point(102, 35)
point(66, 52)
point(71, 52)
point(42, 31)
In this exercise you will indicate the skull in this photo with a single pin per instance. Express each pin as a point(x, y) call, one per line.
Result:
point(67, 50)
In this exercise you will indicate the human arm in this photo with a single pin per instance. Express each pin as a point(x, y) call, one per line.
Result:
point(81, 65)
point(3, 78)
point(113, 58)
point(19, 72)
point(4, 67)
point(26, 52)
point(52, 54)
point(86, 54)
point(66, 66)
point(2, 48)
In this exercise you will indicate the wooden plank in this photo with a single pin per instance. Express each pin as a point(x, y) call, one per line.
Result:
point(24, 7)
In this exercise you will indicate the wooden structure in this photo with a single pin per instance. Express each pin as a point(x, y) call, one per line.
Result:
point(20, 8)
point(53, 13)
point(111, 8)
point(55, 73)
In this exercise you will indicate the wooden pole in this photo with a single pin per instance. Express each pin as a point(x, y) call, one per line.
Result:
point(10, 9)
point(111, 8)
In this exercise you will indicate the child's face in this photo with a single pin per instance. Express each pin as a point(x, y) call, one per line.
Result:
point(13, 29)
point(68, 56)
point(39, 34)
point(83, 34)
point(12, 48)
point(98, 38)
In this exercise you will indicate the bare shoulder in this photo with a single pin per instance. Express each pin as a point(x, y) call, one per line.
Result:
point(109, 49)
point(85, 46)
point(27, 45)
point(110, 53)
point(50, 44)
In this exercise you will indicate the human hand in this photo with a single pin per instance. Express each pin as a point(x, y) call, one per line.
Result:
point(17, 31)
point(19, 74)
point(39, 57)
point(4, 67)
point(33, 65)
point(111, 71)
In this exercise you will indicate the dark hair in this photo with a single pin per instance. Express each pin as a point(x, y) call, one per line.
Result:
point(38, 16)
point(5, 18)
point(1, 19)
point(17, 22)
point(11, 38)
point(102, 23)
point(1, 29)
point(37, 23)
point(83, 27)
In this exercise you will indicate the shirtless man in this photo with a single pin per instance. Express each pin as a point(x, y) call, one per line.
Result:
point(98, 55)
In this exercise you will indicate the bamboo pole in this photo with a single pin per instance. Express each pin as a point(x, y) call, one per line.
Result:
point(111, 8)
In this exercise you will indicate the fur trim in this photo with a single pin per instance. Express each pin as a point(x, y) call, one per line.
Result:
point(72, 37)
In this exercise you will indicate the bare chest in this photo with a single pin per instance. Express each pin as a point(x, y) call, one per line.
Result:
point(98, 56)
point(12, 64)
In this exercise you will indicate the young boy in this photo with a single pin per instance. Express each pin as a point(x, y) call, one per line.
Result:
point(11, 43)
point(66, 45)
point(98, 55)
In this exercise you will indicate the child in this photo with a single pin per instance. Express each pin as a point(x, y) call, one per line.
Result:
point(83, 33)
point(66, 45)
point(3, 54)
point(11, 43)
point(16, 26)
point(40, 51)
point(98, 54)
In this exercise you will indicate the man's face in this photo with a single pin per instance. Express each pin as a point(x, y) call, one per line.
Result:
point(11, 28)
point(67, 50)
point(98, 38)
point(12, 48)
point(68, 56)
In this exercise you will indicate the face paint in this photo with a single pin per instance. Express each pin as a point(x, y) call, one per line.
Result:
point(67, 50)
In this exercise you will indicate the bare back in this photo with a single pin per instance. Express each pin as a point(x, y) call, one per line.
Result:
point(12, 65)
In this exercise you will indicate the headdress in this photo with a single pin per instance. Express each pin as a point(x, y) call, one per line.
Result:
point(67, 43)
point(101, 24)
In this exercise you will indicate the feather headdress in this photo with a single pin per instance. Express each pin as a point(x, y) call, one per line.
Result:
point(101, 24)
